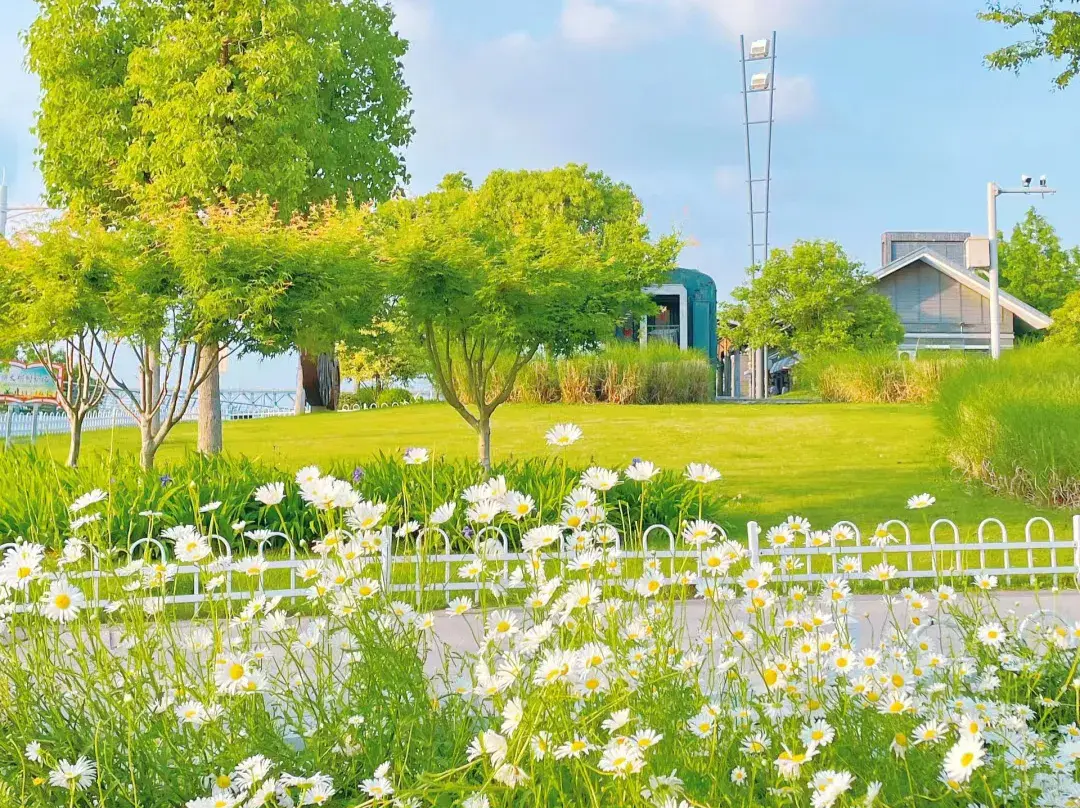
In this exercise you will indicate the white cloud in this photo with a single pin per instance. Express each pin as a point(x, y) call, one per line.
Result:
point(796, 97)
point(414, 19)
point(751, 17)
point(731, 178)
point(585, 22)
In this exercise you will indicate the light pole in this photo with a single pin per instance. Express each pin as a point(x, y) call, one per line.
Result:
point(993, 191)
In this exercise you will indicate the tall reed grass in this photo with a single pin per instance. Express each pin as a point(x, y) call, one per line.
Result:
point(1014, 424)
point(877, 377)
point(620, 374)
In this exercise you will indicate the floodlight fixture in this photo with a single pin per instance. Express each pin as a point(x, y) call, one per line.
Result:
point(760, 81)
point(759, 49)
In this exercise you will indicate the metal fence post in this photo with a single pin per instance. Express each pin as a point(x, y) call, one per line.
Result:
point(1076, 542)
point(9, 426)
point(34, 424)
point(753, 535)
point(387, 559)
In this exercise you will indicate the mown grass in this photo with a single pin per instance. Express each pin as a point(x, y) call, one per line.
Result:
point(824, 461)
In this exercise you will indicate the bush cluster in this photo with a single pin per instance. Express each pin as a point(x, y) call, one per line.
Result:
point(620, 374)
point(1015, 424)
point(368, 397)
point(877, 377)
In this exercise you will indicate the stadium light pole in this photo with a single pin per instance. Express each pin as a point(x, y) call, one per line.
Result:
point(993, 191)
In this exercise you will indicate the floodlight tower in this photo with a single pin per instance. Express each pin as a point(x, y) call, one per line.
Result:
point(761, 50)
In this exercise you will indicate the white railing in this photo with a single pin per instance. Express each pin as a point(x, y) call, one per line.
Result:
point(410, 573)
point(29, 425)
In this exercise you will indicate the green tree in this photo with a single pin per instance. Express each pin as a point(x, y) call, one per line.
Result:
point(384, 352)
point(1035, 267)
point(52, 311)
point(1055, 33)
point(529, 260)
point(234, 276)
point(809, 299)
point(147, 103)
point(1066, 327)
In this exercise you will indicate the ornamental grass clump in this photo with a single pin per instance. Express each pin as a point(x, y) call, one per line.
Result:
point(1014, 424)
point(583, 671)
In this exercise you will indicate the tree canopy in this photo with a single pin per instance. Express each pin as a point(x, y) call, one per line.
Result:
point(1055, 34)
point(1035, 267)
point(164, 100)
point(1066, 327)
point(809, 299)
point(529, 260)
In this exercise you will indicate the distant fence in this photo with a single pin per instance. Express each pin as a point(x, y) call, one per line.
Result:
point(17, 425)
point(437, 569)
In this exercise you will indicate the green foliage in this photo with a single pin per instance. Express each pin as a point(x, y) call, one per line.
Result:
point(387, 351)
point(487, 276)
point(1012, 424)
point(1055, 33)
point(620, 374)
point(362, 397)
point(1035, 267)
point(877, 377)
point(39, 511)
point(163, 100)
point(1066, 327)
point(811, 299)
point(394, 395)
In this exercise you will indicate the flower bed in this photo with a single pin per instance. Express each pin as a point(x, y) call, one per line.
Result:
point(722, 684)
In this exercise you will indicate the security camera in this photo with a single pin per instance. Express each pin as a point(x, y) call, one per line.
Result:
point(1024, 178)
point(1042, 181)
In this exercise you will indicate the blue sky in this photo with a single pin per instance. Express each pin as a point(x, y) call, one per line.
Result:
point(887, 118)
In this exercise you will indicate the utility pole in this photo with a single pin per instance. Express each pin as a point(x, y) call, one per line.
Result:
point(993, 191)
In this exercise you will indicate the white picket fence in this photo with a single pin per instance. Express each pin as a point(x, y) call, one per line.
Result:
point(29, 425)
point(943, 557)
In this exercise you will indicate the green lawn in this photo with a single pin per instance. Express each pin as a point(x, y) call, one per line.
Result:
point(824, 461)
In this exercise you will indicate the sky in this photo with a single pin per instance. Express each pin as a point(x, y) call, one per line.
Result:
point(886, 116)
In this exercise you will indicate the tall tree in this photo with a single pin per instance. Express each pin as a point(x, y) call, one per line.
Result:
point(52, 311)
point(809, 299)
point(1034, 265)
point(1055, 33)
point(530, 259)
point(151, 102)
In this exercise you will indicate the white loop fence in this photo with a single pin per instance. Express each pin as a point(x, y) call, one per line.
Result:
point(417, 571)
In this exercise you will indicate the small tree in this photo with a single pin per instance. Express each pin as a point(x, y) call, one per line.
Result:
point(385, 352)
point(530, 260)
point(233, 276)
point(1034, 265)
point(1066, 327)
point(813, 298)
point(53, 312)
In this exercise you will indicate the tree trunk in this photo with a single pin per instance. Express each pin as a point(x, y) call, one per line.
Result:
point(75, 444)
point(301, 399)
point(210, 440)
point(322, 380)
point(483, 431)
point(149, 449)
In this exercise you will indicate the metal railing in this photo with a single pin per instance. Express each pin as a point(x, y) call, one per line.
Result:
point(410, 573)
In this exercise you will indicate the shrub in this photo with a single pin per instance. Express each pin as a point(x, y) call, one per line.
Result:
point(879, 377)
point(620, 374)
point(39, 512)
point(1014, 424)
point(363, 397)
point(394, 395)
